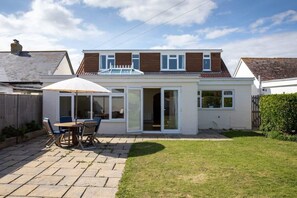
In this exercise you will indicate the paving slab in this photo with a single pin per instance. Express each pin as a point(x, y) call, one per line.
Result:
point(49, 191)
point(24, 190)
point(46, 180)
point(8, 178)
point(75, 192)
point(112, 182)
point(6, 189)
point(100, 192)
point(90, 181)
point(68, 181)
point(69, 172)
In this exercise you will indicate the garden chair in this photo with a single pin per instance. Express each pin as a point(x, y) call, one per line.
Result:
point(54, 136)
point(98, 120)
point(87, 133)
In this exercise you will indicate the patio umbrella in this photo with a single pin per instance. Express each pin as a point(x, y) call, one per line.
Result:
point(76, 85)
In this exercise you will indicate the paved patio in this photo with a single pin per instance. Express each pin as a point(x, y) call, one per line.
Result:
point(31, 170)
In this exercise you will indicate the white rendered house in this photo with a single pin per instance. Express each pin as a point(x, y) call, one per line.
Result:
point(156, 91)
point(271, 75)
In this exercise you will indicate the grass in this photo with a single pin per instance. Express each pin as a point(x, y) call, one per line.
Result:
point(249, 166)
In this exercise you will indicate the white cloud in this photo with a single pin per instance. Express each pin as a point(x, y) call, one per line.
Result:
point(180, 12)
point(264, 24)
point(179, 41)
point(45, 27)
point(47, 18)
point(213, 33)
point(276, 45)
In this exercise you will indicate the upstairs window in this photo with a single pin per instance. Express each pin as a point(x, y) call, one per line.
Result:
point(135, 61)
point(107, 61)
point(173, 62)
point(206, 62)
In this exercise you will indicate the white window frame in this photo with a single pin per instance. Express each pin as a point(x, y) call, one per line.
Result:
point(109, 95)
point(177, 59)
point(199, 95)
point(135, 59)
point(206, 56)
point(107, 57)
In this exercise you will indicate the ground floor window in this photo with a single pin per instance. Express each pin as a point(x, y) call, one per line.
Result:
point(108, 107)
point(215, 99)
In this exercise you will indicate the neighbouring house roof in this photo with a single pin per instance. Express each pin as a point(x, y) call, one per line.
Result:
point(29, 65)
point(272, 68)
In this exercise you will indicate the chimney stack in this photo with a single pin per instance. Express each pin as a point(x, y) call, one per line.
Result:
point(16, 47)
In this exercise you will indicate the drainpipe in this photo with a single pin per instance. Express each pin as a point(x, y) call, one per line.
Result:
point(260, 85)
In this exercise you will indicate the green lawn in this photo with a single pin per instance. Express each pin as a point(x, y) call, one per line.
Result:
point(249, 166)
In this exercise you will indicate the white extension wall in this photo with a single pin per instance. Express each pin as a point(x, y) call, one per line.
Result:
point(190, 117)
point(237, 118)
point(242, 71)
point(280, 86)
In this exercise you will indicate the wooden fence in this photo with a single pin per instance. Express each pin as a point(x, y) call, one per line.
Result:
point(256, 119)
point(17, 110)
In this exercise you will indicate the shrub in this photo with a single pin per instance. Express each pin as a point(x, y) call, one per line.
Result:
point(281, 136)
point(278, 112)
point(10, 131)
point(32, 126)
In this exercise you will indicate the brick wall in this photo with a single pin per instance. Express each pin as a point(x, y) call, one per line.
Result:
point(194, 62)
point(216, 62)
point(150, 62)
point(91, 62)
point(123, 58)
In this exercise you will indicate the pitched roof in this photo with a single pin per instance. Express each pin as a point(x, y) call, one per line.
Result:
point(29, 65)
point(272, 68)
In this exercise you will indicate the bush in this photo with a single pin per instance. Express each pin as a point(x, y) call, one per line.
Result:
point(281, 136)
point(32, 126)
point(11, 131)
point(278, 112)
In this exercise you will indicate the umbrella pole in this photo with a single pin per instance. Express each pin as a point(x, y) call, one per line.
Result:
point(76, 107)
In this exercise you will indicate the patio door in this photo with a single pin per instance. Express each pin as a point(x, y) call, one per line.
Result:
point(170, 117)
point(134, 110)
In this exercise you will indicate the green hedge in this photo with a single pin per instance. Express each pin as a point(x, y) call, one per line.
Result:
point(278, 112)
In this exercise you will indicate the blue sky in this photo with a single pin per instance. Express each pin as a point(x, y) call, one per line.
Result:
point(242, 28)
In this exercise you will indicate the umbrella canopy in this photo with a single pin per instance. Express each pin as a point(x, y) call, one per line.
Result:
point(76, 85)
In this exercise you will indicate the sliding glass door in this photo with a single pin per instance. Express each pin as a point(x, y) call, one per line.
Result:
point(134, 107)
point(170, 105)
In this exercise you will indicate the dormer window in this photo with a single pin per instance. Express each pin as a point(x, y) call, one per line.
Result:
point(107, 61)
point(173, 62)
point(206, 62)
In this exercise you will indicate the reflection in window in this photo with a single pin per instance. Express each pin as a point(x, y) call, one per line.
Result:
point(211, 99)
point(215, 99)
point(83, 107)
point(101, 107)
point(117, 107)
point(65, 106)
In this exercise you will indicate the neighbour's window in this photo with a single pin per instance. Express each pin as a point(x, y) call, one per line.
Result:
point(206, 62)
point(135, 61)
point(215, 99)
point(101, 107)
point(173, 62)
point(107, 61)
point(83, 107)
point(65, 106)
